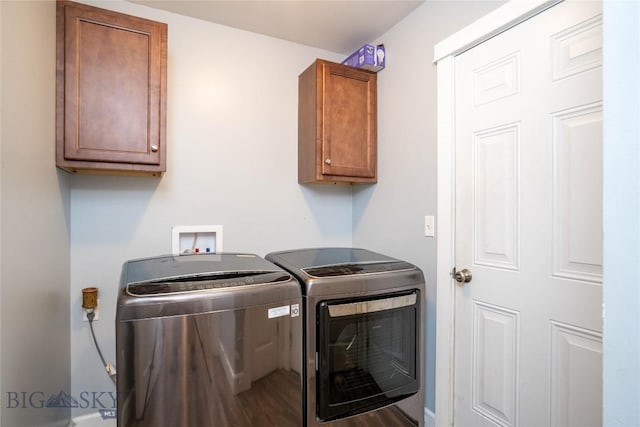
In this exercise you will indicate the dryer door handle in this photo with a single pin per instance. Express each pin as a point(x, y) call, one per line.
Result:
point(371, 306)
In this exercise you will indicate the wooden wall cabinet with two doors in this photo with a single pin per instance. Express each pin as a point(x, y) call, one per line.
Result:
point(336, 124)
point(111, 85)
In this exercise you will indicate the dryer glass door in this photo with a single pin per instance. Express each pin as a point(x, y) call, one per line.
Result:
point(366, 353)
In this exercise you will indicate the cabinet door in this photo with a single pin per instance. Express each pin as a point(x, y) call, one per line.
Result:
point(114, 80)
point(349, 122)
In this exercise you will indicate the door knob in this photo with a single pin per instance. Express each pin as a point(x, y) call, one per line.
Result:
point(154, 148)
point(463, 276)
point(328, 161)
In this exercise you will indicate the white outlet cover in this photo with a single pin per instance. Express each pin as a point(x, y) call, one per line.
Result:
point(183, 235)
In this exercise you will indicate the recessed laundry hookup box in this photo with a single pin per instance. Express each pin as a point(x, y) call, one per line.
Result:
point(368, 57)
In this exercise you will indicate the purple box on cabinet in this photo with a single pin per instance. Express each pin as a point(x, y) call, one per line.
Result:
point(368, 57)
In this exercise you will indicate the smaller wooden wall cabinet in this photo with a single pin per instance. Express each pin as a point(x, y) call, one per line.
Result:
point(336, 124)
point(111, 76)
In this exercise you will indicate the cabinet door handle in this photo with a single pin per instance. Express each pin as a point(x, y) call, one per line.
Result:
point(154, 148)
point(328, 161)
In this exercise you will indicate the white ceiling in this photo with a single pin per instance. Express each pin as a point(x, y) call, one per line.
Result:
point(340, 26)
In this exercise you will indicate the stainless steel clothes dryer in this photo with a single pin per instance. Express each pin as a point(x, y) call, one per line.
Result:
point(209, 340)
point(364, 345)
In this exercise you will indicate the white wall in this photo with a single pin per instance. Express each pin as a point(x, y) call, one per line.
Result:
point(232, 160)
point(621, 214)
point(389, 217)
point(34, 255)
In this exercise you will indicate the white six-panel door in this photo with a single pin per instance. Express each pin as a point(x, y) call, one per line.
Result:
point(528, 223)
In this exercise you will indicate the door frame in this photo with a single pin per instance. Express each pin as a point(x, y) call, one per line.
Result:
point(507, 16)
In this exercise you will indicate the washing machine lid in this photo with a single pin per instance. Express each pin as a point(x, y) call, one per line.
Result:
point(198, 272)
point(331, 262)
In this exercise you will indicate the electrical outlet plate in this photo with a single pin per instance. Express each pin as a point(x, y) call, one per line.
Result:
point(186, 239)
point(95, 310)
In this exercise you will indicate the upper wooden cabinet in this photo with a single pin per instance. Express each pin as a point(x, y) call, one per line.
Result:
point(111, 91)
point(336, 124)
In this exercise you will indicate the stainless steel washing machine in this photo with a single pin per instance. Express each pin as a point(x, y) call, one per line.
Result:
point(208, 340)
point(364, 345)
